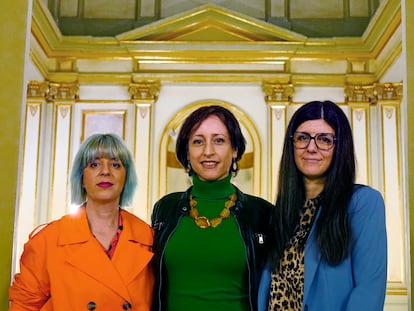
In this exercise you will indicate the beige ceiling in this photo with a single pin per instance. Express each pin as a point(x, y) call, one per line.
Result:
point(312, 18)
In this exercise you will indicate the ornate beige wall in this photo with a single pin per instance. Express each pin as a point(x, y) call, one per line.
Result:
point(58, 119)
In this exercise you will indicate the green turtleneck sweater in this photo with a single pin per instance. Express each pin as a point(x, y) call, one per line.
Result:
point(207, 267)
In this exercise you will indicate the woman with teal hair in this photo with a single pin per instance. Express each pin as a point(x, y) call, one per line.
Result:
point(103, 146)
point(98, 257)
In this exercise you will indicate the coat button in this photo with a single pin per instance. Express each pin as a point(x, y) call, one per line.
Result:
point(91, 305)
point(126, 305)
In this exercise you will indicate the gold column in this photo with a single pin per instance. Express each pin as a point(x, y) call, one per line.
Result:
point(408, 49)
point(14, 19)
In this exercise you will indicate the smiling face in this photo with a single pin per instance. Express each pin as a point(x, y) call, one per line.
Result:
point(210, 151)
point(311, 161)
point(104, 180)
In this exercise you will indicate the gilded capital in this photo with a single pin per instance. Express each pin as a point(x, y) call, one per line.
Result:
point(63, 91)
point(373, 93)
point(37, 88)
point(147, 91)
point(53, 91)
point(360, 93)
point(388, 91)
point(277, 92)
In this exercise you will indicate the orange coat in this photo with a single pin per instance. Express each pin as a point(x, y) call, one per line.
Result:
point(63, 267)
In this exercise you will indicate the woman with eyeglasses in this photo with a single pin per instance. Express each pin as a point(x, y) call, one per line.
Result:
point(330, 243)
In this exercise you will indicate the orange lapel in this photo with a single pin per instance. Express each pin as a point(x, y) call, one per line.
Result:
point(85, 254)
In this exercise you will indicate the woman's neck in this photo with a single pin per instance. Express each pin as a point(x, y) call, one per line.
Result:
point(100, 210)
point(103, 221)
point(313, 187)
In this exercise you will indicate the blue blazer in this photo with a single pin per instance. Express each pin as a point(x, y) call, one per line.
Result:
point(359, 282)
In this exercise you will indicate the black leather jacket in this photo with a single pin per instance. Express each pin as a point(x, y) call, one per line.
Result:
point(252, 215)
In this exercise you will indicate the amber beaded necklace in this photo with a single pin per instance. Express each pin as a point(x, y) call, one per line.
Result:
point(203, 222)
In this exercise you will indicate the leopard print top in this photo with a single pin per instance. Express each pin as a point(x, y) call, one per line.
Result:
point(286, 291)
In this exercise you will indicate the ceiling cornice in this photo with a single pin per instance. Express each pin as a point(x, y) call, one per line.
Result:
point(216, 36)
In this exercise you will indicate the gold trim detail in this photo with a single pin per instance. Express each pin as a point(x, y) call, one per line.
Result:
point(64, 111)
point(33, 109)
point(277, 92)
point(389, 112)
point(146, 91)
point(59, 91)
point(211, 44)
point(359, 113)
point(53, 91)
point(389, 91)
point(359, 93)
point(358, 66)
point(278, 113)
point(37, 89)
point(143, 111)
point(66, 64)
point(373, 92)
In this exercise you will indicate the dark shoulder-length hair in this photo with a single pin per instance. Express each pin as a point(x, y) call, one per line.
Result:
point(332, 228)
point(194, 120)
point(98, 146)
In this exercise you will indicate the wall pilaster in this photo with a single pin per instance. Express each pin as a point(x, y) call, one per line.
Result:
point(144, 95)
point(278, 98)
point(408, 52)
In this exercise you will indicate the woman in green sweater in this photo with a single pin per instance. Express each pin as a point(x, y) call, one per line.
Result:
point(210, 241)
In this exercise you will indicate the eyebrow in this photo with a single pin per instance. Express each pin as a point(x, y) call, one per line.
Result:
point(106, 157)
point(214, 134)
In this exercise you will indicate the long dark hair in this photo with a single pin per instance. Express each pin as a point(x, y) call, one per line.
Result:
point(333, 229)
point(194, 120)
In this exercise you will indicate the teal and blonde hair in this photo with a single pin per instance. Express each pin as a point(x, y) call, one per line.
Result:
point(102, 146)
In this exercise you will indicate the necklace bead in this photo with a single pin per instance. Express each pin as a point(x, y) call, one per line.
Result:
point(202, 221)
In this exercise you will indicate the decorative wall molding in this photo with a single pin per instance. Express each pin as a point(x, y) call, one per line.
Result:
point(213, 44)
point(359, 93)
point(37, 89)
point(146, 91)
point(388, 91)
point(277, 92)
point(53, 91)
point(372, 93)
point(63, 91)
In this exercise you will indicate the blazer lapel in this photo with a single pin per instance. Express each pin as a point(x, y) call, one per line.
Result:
point(312, 259)
point(86, 254)
point(89, 258)
point(134, 250)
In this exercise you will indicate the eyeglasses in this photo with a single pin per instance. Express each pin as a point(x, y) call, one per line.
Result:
point(323, 141)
